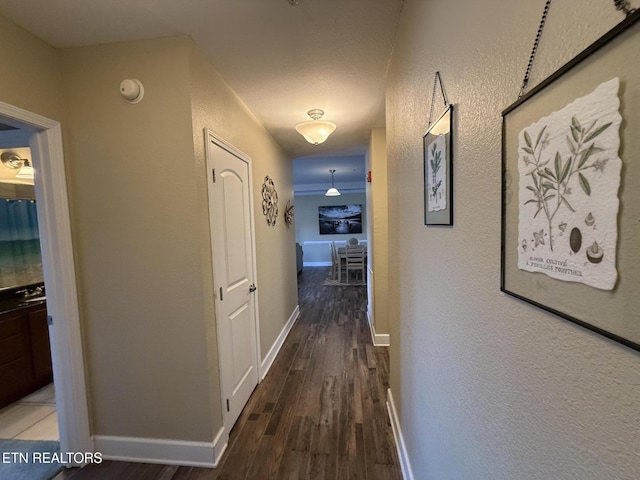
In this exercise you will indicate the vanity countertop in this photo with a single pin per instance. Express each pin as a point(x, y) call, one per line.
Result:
point(16, 300)
point(12, 304)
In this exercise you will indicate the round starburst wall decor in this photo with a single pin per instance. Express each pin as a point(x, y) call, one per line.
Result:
point(269, 201)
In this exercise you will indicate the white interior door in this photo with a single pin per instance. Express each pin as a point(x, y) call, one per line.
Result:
point(233, 247)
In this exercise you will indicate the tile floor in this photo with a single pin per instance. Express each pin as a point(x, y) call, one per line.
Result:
point(32, 418)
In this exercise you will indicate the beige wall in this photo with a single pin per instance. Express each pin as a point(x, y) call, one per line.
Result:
point(216, 107)
point(31, 79)
point(135, 217)
point(378, 228)
point(307, 226)
point(487, 386)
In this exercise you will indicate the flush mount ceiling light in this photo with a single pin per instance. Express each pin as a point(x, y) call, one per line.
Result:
point(316, 131)
point(333, 191)
point(13, 160)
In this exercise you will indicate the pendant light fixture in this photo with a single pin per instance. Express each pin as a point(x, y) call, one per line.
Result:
point(333, 191)
point(316, 131)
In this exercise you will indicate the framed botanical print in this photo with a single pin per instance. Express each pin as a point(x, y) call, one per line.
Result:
point(571, 189)
point(438, 172)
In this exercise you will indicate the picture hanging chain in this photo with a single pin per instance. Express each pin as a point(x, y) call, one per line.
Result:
point(624, 6)
point(535, 48)
point(433, 95)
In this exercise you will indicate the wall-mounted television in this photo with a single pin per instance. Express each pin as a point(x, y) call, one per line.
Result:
point(20, 257)
point(340, 219)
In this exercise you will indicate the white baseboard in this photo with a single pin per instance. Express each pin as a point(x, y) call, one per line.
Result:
point(220, 445)
point(403, 455)
point(379, 339)
point(163, 451)
point(316, 264)
point(275, 348)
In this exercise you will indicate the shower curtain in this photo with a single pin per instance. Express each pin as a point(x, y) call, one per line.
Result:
point(20, 258)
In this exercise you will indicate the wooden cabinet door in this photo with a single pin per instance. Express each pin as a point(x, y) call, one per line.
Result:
point(40, 347)
point(16, 370)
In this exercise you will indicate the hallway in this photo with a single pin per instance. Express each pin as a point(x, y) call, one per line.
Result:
point(320, 413)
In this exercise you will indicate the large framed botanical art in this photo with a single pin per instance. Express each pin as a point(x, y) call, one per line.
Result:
point(571, 189)
point(438, 173)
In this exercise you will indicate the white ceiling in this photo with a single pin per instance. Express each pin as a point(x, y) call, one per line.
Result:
point(281, 60)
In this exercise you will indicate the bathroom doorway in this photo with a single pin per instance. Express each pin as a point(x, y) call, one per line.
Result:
point(27, 394)
point(62, 315)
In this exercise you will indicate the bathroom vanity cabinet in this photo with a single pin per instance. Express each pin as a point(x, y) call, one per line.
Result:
point(25, 353)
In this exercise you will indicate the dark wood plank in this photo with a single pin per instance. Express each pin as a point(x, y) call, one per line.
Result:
point(238, 462)
point(261, 459)
point(295, 463)
point(360, 469)
point(317, 466)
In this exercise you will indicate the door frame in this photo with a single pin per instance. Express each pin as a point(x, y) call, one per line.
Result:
point(212, 138)
point(59, 276)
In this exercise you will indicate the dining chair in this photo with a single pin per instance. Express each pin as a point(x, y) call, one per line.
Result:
point(335, 262)
point(355, 261)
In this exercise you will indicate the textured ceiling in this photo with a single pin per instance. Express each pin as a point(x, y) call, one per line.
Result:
point(281, 60)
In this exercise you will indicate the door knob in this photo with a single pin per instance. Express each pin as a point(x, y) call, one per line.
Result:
point(252, 288)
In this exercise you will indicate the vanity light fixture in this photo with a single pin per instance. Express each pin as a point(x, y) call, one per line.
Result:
point(26, 171)
point(333, 191)
point(13, 160)
point(316, 131)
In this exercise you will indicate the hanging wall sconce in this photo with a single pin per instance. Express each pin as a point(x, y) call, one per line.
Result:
point(316, 131)
point(288, 214)
point(333, 191)
point(13, 160)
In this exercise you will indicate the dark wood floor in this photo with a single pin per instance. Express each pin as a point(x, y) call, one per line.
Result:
point(319, 414)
